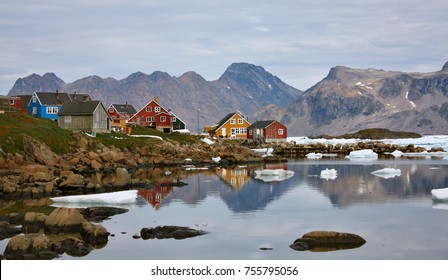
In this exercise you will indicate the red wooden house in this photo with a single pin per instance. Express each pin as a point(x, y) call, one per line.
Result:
point(267, 131)
point(15, 103)
point(154, 115)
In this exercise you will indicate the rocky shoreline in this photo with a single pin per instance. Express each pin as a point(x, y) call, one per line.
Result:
point(93, 167)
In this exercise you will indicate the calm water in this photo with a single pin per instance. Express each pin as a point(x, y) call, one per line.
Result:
point(396, 216)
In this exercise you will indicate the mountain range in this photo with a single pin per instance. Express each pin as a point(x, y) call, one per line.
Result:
point(345, 101)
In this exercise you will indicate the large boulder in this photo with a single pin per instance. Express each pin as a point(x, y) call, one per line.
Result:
point(323, 241)
point(39, 152)
point(122, 178)
point(29, 246)
point(64, 220)
point(94, 234)
point(7, 230)
point(33, 222)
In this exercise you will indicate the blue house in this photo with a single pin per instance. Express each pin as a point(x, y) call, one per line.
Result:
point(47, 104)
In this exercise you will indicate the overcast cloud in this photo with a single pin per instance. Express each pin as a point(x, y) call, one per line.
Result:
point(298, 41)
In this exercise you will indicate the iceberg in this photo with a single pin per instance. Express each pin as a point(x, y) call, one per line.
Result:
point(387, 173)
point(314, 155)
point(366, 154)
point(329, 174)
point(265, 152)
point(271, 175)
point(113, 198)
point(440, 194)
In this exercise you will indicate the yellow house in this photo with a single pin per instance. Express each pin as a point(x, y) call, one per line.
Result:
point(234, 125)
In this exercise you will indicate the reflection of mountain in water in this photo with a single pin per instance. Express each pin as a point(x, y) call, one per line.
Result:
point(253, 196)
point(356, 184)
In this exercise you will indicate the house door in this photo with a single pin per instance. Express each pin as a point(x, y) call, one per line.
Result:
point(223, 132)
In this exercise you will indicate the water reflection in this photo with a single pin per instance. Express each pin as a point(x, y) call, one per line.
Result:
point(245, 213)
point(354, 184)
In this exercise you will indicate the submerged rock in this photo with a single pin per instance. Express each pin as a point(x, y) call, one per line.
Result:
point(325, 241)
point(176, 232)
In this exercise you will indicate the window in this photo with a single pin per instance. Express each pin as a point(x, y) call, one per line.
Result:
point(148, 109)
point(250, 131)
point(52, 110)
point(111, 110)
point(173, 119)
point(280, 131)
point(163, 119)
point(11, 102)
point(157, 109)
point(149, 119)
point(240, 121)
point(68, 119)
point(34, 99)
point(232, 121)
point(34, 111)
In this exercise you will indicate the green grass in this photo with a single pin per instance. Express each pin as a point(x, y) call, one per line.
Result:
point(13, 126)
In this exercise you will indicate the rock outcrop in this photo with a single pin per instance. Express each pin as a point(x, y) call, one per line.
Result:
point(323, 241)
point(176, 232)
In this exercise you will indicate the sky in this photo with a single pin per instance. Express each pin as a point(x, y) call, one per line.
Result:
point(295, 40)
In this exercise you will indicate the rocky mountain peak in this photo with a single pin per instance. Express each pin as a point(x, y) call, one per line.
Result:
point(445, 67)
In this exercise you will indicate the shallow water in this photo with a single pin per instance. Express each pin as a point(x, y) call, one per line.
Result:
point(396, 216)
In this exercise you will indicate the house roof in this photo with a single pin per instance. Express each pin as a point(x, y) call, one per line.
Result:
point(53, 98)
point(261, 124)
point(125, 109)
point(79, 108)
point(226, 118)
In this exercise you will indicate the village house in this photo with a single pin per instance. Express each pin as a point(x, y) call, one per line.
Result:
point(233, 125)
point(120, 115)
point(47, 104)
point(156, 116)
point(84, 116)
point(15, 103)
point(267, 131)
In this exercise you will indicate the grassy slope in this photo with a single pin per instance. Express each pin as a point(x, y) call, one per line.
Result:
point(13, 126)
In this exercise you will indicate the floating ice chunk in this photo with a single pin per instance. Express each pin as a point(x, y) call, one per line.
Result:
point(440, 194)
point(270, 175)
point(397, 153)
point(314, 155)
point(113, 198)
point(329, 174)
point(387, 173)
point(366, 154)
point(265, 152)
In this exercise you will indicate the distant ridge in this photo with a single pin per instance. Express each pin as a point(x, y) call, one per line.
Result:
point(243, 86)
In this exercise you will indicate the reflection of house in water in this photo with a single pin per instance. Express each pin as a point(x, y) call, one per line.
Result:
point(236, 177)
point(156, 194)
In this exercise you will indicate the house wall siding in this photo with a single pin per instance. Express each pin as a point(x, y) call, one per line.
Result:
point(228, 128)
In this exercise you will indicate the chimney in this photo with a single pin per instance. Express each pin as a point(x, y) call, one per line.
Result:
point(126, 104)
point(156, 99)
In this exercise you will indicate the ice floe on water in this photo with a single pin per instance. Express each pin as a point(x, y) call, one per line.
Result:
point(440, 194)
point(387, 173)
point(428, 141)
point(366, 154)
point(273, 175)
point(329, 174)
point(119, 198)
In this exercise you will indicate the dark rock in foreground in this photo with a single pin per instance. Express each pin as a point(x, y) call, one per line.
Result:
point(176, 232)
point(325, 241)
